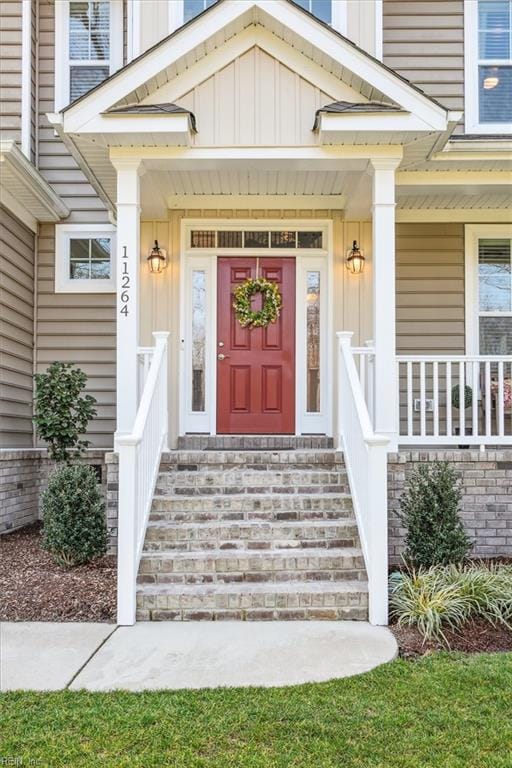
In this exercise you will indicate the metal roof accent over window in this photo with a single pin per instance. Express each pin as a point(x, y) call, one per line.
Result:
point(153, 109)
point(344, 107)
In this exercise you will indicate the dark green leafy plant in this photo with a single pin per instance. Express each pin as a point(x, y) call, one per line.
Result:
point(74, 522)
point(468, 396)
point(62, 412)
point(429, 510)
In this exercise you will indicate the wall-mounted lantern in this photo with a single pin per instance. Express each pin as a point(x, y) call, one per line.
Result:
point(355, 259)
point(157, 258)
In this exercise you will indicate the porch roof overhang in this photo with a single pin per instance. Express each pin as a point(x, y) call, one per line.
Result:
point(378, 114)
point(24, 191)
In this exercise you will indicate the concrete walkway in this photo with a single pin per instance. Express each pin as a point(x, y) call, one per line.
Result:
point(152, 656)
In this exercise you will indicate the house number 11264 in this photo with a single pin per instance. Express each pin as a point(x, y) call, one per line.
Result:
point(125, 284)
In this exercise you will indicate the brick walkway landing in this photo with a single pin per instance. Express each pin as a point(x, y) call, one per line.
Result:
point(263, 531)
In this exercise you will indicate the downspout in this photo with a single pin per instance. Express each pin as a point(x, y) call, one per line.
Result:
point(36, 239)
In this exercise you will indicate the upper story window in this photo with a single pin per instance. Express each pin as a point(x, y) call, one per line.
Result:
point(90, 33)
point(488, 57)
point(193, 8)
point(329, 11)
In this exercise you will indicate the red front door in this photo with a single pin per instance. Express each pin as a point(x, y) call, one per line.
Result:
point(256, 377)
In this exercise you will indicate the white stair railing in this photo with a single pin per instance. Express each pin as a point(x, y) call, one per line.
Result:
point(365, 455)
point(139, 462)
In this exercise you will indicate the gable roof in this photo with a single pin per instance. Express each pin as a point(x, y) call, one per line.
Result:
point(226, 19)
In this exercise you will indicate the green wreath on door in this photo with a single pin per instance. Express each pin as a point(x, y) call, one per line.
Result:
point(270, 310)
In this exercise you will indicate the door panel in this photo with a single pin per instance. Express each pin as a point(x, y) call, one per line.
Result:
point(256, 378)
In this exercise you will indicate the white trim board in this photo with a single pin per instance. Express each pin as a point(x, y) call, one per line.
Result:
point(26, 78)
point(206, 259)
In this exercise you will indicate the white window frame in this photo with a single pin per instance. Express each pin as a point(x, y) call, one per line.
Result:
point(471, 87)
point(339, 15)
point(62, 60)
point(66, 232)
point(206, 260)
point(474, 233)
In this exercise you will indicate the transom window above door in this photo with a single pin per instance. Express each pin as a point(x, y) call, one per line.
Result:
point(265, 239)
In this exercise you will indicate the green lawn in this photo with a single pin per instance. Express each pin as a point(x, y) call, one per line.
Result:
point(445, 711)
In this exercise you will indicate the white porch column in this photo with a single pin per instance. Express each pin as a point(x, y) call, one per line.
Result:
point(129, 172)
point(384, 311)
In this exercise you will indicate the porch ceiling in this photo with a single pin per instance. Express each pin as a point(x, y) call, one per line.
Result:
point(167, 189)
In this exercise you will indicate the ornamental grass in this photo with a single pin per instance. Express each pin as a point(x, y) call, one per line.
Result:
point(443, 597)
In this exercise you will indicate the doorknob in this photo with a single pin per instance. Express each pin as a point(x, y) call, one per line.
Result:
point(221, 356)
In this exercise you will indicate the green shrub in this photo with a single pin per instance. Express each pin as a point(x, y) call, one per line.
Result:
point(448, 596)
point(429, 510)
point(61, 412)
point(74, 521)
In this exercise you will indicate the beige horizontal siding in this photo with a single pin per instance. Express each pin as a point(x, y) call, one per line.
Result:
point(78, 328)
point(55, 162)
point(430, 288)
point(16, 332)
point(10, 58)
point(424, 42)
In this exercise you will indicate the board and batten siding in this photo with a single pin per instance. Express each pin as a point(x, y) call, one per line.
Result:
point(430, 289)
point(16, 332)
point(10, 58)
point(424, 42)
point(253, 100)
point(78, 328)
point(160, 294)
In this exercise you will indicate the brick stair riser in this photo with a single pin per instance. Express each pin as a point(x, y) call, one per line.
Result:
point(169, 485)
point(252, 508)
point(198, 461)
point(237, 601)
point(207, 566)
point(240, 477)
point(254, 442)
point(251, 577)
point(252, 536)
point(257, 614)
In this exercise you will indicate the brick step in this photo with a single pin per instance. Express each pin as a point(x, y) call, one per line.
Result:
point(258, 460)
point(252, 507)
point(330, 534)
point(251, 481)
point(253, 442)
point(344, 600)
point(316, 564)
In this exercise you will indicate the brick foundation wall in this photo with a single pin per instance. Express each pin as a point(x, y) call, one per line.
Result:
point(486, 496)
point(23, 478)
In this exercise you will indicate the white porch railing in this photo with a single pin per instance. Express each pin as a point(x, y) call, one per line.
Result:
point(144, 357)
point(365, 455)
point(139, 461)
point(434, 390)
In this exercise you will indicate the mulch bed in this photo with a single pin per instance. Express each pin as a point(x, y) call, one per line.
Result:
point(34, 588)
point(475, 637)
